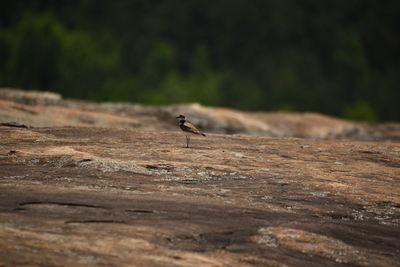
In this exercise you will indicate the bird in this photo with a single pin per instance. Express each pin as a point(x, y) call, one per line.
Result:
point(188, 128)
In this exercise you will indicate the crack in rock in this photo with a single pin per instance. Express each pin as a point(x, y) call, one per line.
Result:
point(94, 221)
point(61, 204)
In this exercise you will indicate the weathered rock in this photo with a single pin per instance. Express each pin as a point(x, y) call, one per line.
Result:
point(46, 109)
point(49, 115)
point(30, 97)
point(133, 197)
point(307, 125)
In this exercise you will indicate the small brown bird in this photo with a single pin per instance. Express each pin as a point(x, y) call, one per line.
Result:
point(188, 128)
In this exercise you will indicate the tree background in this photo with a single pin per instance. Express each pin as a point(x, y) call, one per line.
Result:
point(336, 57)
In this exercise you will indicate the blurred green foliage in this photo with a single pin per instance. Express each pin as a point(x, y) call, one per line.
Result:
point(336, 57)
point(360, 111)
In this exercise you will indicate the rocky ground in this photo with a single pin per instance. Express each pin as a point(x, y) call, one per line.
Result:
point(47, 109)
point(113, 185)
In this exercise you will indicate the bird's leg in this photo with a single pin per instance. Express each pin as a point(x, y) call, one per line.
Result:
point(187, 141)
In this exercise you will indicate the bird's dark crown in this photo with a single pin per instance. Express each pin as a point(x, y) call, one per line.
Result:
point(181, 117)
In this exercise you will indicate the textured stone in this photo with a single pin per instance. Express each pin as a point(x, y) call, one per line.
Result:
point(113, 184)
point(104, 196)
point(48, 110)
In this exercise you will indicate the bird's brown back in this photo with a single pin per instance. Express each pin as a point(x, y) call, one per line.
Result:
point(188, 127)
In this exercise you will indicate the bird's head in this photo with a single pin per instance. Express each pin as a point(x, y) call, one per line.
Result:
point(181, 117)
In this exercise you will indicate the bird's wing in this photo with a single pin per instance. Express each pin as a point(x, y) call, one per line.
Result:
point(191, 128)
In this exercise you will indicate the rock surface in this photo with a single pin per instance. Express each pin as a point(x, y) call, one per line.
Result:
point(133, 195)
point(49, 109)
